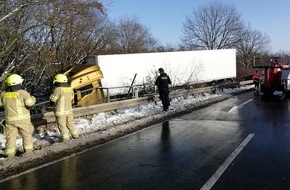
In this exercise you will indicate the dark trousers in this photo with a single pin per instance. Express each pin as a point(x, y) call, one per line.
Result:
point(164, 99)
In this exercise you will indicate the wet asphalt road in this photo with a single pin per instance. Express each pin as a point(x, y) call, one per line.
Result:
point(241, 143)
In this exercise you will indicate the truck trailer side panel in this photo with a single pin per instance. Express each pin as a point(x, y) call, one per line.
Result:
point(182, 67)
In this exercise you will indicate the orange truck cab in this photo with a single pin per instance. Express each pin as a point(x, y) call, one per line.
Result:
point(86, 83)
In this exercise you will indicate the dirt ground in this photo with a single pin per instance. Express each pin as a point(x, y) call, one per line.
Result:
point(48, 151)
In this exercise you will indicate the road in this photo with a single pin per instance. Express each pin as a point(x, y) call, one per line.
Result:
point(240, 143)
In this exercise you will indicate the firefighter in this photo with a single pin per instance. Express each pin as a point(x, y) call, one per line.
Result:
point(62, 99)
point(162, 82)
point(16, 103)
point(256, 80)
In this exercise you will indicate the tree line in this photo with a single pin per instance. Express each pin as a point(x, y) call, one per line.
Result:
point(39, 38)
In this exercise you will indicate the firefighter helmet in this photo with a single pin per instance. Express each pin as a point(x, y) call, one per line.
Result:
point(60, 78)
point(13, 80)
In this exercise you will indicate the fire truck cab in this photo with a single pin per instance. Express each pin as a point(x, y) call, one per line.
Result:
point(275, 77)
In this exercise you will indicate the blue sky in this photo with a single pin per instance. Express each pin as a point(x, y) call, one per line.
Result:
point(164, 18)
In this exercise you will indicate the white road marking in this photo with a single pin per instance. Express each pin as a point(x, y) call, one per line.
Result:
point(234, 108)
point(210, 183)
point(248, 101)
point(36, 168)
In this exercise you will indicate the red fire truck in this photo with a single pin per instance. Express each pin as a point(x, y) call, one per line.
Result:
point(275, 77)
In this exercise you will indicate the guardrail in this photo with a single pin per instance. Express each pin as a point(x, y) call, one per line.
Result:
point(247, 82)
point(49, 117)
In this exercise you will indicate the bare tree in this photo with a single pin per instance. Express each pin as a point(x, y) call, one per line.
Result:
point(166, 48)
point(215, 26)
point(66, 32)
point(13, 26)
point(65, 28)
point(40, 38)
point(253, 43)
point(133, 37)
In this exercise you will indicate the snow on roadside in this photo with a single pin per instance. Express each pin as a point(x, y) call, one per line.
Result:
point(102, 121)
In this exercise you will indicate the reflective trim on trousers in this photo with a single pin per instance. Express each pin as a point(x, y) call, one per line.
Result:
point(65, 136)
point(17, 118)
point(28, 147)
point(75, 133)
point(10, 151)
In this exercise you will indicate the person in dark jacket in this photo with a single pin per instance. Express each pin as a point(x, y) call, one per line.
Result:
point(162, 82)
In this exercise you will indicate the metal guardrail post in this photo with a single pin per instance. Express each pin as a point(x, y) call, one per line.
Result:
point(136, 92)
point(108, 95)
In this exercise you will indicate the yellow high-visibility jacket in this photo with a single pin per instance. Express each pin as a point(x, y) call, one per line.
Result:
point(16, 105)
point(63, 97)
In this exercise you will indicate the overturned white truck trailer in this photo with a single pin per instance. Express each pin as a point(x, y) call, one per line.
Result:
point(182, 67)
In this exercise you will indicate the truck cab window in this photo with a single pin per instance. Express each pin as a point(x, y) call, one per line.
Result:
point(86, 90)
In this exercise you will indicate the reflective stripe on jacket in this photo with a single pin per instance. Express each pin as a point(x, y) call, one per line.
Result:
point(63, 97)
point(16, 105)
